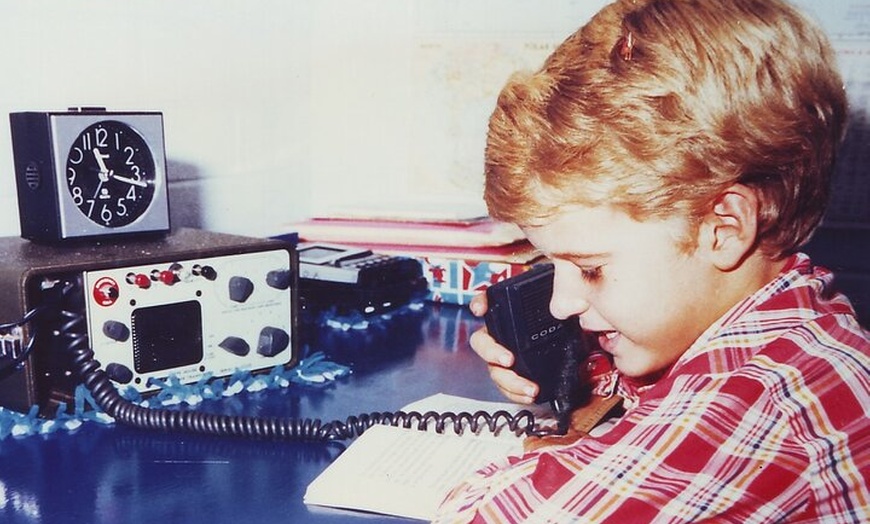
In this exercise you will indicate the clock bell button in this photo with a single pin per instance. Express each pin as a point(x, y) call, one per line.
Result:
point(116, 330)
point(278, 279)
point(240, 289)
point(272, 341)
point(107, 292)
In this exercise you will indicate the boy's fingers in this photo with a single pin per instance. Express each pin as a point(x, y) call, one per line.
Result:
point(513, 386)
point(499, 360)
point(489, 350)
point(478, 305)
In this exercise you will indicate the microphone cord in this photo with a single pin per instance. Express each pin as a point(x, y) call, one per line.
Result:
point(73, 330)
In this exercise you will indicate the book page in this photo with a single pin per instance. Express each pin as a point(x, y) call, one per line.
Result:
point(404, 472)
point(407, 472)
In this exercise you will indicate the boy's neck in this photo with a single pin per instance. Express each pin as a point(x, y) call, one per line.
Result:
point(758, 271)
point(755, 272)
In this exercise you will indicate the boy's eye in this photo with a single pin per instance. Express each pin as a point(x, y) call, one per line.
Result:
point(591, 274)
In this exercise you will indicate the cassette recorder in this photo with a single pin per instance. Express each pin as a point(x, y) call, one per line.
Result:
point(191, 305)
point(353, 279)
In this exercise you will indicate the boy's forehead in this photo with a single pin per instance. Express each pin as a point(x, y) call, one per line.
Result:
point(581, 217)
point(595, 232)
point(580, 226)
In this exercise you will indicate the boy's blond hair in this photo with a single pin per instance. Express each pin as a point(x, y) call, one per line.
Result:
point(657, 106)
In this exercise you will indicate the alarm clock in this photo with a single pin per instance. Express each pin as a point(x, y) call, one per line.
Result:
point(89, 173)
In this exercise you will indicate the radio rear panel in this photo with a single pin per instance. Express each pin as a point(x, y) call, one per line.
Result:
point(191, 306)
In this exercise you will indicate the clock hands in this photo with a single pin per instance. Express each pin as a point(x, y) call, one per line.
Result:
point(106, 173)
point(140, 183)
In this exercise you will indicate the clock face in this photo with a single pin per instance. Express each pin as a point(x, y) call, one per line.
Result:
point(110, 173)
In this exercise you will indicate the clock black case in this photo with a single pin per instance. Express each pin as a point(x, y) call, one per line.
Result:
point(41, 144)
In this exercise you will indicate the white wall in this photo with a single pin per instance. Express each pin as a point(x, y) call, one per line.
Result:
point(279, 109)
point(230, 78)
point(403, 91)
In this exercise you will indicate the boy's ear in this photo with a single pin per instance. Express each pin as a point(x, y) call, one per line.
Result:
point(730, 229)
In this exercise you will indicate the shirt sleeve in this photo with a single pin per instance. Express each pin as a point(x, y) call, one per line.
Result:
point(681, 457)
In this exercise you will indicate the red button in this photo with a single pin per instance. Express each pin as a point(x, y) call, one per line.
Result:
point(142, 281)
point(167, 277)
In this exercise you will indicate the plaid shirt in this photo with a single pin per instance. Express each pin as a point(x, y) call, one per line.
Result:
point(765, 418)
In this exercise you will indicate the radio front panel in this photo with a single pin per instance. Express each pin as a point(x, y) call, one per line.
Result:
point(190, 318)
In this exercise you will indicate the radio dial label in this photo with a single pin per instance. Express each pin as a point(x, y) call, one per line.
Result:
point(106, 291)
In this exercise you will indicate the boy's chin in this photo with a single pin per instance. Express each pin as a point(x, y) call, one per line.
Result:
point(639, 372)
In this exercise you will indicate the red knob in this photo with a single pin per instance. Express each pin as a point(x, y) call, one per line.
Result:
point(167, 277)
point(142, 281)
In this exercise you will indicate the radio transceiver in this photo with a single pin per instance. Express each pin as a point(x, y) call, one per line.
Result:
point(547, 351)
point(191, 305)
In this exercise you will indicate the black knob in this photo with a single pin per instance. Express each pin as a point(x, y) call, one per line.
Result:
point(207, 272)
point(119, 373)
point(272, 341)
point(116, 330)
point(236, 346)
point(240, 289)
point(279, 278)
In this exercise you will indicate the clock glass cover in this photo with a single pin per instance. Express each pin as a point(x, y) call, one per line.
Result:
point(110, 173)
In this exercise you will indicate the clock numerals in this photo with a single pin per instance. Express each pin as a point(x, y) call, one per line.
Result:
point(76, 156)
point(76, 193)
point(100, 135)
point(110, 173)
point(121, 208)
point(129, 152)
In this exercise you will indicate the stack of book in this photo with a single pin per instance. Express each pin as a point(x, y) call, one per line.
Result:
point(460, 257)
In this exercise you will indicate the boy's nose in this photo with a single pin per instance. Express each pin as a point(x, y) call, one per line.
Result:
point(568, 297)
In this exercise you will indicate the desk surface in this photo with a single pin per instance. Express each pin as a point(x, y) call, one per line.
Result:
point(116, 475)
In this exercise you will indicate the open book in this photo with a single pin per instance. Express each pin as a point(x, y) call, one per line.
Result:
point(407, 472)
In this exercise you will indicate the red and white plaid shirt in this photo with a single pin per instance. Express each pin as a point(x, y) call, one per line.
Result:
point(765, 418)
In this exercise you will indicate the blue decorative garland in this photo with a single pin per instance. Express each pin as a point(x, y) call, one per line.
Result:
point(313, 370)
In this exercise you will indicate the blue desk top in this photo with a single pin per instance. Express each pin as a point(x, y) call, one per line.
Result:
point(114, 475)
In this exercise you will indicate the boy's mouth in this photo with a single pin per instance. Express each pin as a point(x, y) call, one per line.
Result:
point(607, 340)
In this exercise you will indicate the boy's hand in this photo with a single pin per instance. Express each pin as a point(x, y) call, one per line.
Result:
point(499, 359)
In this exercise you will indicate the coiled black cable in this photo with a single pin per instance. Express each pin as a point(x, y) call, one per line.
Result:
point(107, 397)
point(16, 362)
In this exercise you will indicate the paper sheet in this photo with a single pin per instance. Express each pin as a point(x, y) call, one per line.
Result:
point(407, 472)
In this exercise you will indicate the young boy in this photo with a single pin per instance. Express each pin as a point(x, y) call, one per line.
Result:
point(670, 158)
